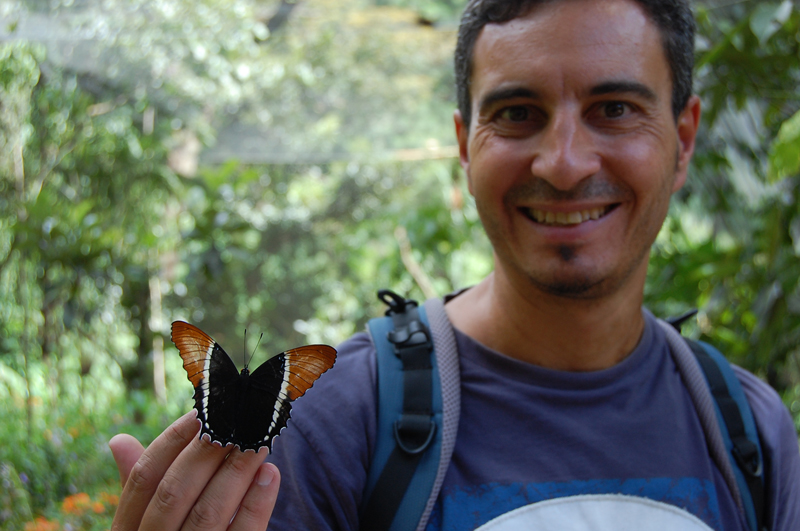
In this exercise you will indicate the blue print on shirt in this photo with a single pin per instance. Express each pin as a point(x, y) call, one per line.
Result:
point(470, 507)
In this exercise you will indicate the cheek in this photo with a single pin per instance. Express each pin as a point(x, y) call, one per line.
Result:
point(495, 166)
point(636, 152)
point(490, 185)
point(646, 168)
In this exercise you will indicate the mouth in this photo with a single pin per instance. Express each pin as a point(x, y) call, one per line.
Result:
point(566, 219)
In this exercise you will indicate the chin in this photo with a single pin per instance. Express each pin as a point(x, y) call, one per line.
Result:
point(576, 288)
point(589, 282)
point(575, 283)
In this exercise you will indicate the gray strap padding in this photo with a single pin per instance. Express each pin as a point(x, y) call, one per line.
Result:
point(698, 389)
point(444, 341)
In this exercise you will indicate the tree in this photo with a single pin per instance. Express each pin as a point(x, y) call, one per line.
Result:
point(730, 246)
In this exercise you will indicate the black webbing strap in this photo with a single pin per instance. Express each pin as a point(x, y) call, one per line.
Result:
point(414, 429)
point(677, 322)
point(744, 450)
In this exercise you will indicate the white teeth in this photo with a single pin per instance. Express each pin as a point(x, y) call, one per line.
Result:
point(566, 218)
point(574, 217)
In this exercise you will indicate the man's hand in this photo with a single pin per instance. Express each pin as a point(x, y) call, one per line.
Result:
point(183, 482)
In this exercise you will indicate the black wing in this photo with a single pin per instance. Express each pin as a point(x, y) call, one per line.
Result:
point(215, 378)
point(274, 385)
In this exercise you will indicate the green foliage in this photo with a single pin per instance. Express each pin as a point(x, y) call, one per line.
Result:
point(15, 509)
point(732, 242)
point(336, 78)
point(65, 471)
point(81, 186)
point(784, 154)
point(334, 224)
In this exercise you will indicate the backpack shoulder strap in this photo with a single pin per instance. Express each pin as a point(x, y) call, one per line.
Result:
point(738, 428)
point(446, 351)
point(726, 418)
point(417, 422)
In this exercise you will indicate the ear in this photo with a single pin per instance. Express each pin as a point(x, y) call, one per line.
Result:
point(462, 135)
point(688, 123)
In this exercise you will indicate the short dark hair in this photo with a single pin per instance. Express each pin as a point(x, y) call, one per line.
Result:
point(672, 17)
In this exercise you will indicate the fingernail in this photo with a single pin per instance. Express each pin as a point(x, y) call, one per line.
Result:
point(265, 475)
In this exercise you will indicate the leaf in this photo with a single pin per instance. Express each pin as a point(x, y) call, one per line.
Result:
point(713, 55)
point(768, 19)
point(784, 153)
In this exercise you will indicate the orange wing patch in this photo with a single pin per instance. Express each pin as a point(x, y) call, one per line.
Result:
point(194, 345)
point(305, 365)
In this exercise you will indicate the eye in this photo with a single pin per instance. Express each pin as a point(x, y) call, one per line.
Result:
point(614, 109)
point(517, 113)
point(517, 119)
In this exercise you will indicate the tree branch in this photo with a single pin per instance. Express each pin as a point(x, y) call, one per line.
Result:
point(412, 266)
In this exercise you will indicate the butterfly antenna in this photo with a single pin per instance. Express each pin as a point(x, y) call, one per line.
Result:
point(257, 344)
point(244, 349)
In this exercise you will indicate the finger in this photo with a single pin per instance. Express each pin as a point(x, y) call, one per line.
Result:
point(146, 474)
point(184, 481)
point(223, 494)
point(126, 451)
point(258, 503)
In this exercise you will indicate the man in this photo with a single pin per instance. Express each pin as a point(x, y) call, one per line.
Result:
point(576, 124)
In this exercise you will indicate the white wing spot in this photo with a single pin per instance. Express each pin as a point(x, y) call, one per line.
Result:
point(207, 372)
point(283, 394)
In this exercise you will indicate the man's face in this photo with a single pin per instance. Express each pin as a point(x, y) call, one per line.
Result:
point(573, 152)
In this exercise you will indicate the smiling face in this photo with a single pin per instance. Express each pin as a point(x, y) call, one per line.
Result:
point(573, 150)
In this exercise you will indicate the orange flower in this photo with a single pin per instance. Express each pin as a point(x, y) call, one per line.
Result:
point(76, 504)
point(42, 524)
point(98, 507)
point(109, 499)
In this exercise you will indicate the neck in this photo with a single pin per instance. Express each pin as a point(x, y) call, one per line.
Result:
point(548, 330)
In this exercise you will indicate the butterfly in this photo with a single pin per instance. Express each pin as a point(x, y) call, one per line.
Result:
point(242, 408)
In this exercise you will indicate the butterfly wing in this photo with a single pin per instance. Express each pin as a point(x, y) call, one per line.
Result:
point(241, 409)
point(274, 385)
point(215, 378)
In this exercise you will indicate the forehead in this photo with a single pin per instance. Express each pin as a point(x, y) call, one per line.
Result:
point(572, 42)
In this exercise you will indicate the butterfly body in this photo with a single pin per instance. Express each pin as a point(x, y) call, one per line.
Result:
point(243, 408)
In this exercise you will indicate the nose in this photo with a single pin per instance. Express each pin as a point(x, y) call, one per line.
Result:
point(565, 153)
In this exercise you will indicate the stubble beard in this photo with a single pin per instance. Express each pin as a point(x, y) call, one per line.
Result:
point(584, 283)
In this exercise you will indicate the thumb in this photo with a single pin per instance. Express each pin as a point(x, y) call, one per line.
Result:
point(126, 451)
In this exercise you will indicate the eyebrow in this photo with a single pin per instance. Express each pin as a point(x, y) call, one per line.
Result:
point(505, 94)
point(623, 87)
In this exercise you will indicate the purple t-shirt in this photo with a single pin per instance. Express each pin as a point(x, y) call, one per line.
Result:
point(538, 447)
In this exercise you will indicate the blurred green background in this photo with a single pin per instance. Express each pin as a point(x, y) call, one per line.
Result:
point(269, 165)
